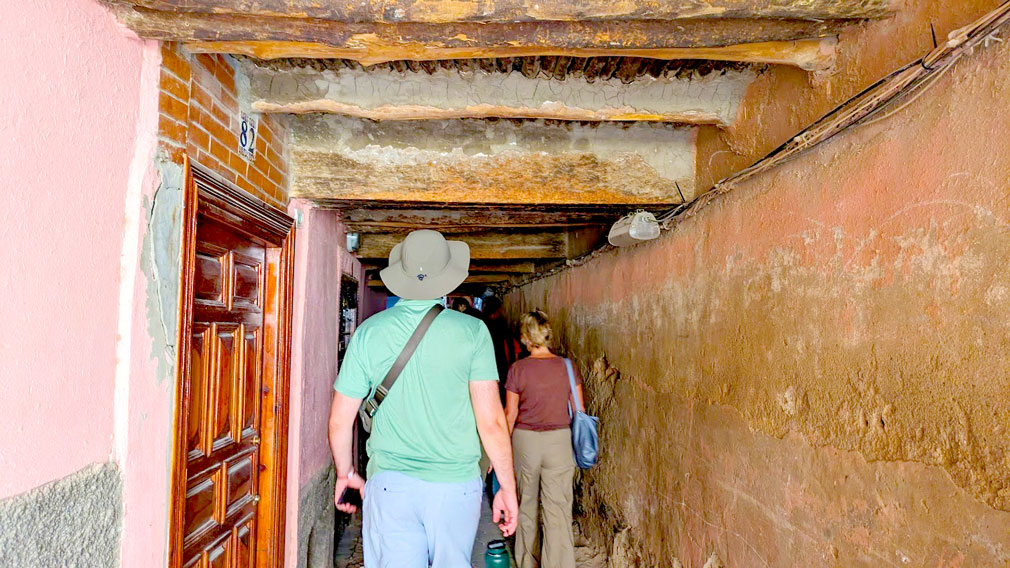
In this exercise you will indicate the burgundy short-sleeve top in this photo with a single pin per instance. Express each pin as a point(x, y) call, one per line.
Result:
point(542, 386)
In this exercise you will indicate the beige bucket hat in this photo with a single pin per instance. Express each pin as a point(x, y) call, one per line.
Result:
point(425, 266)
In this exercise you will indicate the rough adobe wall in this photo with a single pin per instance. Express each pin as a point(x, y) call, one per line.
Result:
point(812, 371)
point(785, 100)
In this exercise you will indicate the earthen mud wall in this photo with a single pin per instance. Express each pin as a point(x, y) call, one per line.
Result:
point(813, 371)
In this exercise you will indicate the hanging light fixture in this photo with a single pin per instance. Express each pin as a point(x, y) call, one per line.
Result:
point(634, 228)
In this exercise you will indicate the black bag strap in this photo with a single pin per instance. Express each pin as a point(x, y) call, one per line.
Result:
point(387, 383)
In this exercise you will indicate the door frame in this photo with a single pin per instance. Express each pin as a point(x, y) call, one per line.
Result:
point(207, 194)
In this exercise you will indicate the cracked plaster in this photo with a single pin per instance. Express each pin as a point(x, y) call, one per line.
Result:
point(159, 262)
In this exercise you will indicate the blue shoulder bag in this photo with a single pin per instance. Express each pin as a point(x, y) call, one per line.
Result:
point(585, 441)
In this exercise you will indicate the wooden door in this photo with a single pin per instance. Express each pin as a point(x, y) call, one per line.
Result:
point(235, 359)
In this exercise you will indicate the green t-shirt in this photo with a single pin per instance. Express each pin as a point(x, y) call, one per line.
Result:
point(425, 426)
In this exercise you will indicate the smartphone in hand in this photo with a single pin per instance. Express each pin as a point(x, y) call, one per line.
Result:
point(350, 496)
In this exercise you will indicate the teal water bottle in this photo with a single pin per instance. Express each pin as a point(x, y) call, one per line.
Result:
point(497, 555)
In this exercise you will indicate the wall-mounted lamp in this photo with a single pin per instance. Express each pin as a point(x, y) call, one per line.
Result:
point(353, 241)
point(634, 228)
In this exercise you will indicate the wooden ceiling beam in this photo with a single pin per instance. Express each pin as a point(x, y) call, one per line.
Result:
point(395, 11)
point(807, 54)
point(462, 229)
point(387, 94)
point(791, 42)
point(484, 246)
point(520, 267)
point(528, 163)
point(472, 279)
point(488, 209)
point(583, 240)
point(390, 220)
point(516, 267)
point(467, 288)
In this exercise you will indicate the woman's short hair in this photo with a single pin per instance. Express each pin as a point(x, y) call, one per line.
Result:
point(536, 329)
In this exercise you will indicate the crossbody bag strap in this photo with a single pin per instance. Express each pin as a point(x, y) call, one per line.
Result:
point(571, 384)
point(387, 383)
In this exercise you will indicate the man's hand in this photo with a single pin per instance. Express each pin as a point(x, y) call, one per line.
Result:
point(354, 482)
point(342, 413)
point(506, 511)
point(494, 434)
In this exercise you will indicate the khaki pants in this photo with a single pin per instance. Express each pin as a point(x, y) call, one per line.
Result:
point(545, 470)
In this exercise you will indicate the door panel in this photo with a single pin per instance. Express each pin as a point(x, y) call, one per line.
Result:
point(244, 546)
point(197, 390)
point(229, 458)
point(252, 388)
point(226, 352)
point(223, 389)
point(218, 553)
point(200, 500)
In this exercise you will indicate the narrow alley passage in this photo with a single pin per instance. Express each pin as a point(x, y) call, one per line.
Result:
point(770, 236)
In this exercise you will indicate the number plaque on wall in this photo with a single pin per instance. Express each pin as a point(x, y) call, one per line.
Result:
point(247, 136)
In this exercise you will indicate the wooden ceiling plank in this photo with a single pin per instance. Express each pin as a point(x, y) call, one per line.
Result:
point(486, 246)
point(372, 220)
point(527, 164)
point(583, 240)
point(394, 11)
point(517, 267)
point(455, 229)
point(520, 267)
point(472, 285)
point(791, 42)
point(472, 279)
point(390, 95)
point(807, 54)
point(488, 207)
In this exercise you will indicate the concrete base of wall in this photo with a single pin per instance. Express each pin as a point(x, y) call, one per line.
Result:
point(316, 515)
point(75, 521)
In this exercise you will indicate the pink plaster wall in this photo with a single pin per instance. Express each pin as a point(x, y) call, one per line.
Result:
point(320, 263)
point(145, 379)
point(68, 120)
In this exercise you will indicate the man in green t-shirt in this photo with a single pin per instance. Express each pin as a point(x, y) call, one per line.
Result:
point(422, 500)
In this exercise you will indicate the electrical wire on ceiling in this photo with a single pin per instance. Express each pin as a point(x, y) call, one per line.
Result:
point(880, 101)
point(904, 86)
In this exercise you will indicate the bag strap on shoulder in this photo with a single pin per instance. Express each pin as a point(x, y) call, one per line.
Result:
point(415, 339)
point(571, 384)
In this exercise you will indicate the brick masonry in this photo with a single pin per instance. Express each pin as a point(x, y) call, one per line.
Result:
point(200, 115)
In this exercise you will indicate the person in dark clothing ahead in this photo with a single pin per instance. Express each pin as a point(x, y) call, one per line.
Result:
point(506, 349)
point(536, 408)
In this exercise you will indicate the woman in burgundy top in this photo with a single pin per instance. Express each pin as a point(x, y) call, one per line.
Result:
point(536, 405)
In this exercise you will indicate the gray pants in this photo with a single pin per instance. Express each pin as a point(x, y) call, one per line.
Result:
point(410, 523)
point(545, 469)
